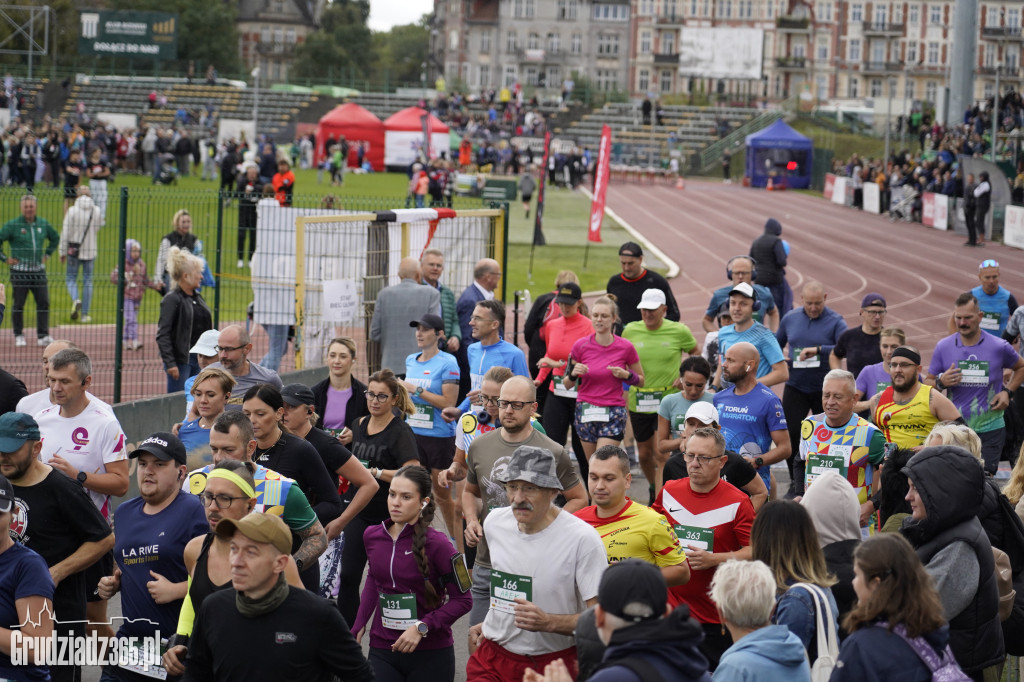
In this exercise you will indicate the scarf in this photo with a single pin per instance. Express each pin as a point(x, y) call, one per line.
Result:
point(251, 608)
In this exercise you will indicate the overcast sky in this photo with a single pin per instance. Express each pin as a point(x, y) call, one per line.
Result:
point(387, 13)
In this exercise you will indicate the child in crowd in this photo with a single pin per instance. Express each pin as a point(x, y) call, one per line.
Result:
point(135, 282)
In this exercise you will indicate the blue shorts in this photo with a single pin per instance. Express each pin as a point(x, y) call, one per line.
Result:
point(589, 431)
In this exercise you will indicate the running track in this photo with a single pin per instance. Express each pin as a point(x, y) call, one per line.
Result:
point(919, 270)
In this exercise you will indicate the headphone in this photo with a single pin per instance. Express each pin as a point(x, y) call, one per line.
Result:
point(484, 417)
point(753, 268)
point(757, 301)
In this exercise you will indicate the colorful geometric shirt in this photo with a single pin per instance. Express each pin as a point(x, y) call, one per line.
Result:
point(853, 449)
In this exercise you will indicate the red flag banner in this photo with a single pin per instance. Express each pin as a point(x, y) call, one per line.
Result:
point(600, 184)
point(538, 219)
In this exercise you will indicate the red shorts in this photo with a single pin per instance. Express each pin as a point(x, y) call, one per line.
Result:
point(491, 663)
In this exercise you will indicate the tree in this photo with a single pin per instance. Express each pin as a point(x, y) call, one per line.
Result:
point(400, 53)
point(343, 44)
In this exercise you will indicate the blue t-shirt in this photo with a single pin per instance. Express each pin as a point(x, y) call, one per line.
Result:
point(441, 369)
point(153, 542)
point(23, 573)
point(481, 358)
point(748, 420)
point(759, 335)
point(196, 440)
point(189, 398)
point(981, 367)
point(995, 309)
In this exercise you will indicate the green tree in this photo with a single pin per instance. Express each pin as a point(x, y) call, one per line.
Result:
point(400, 53)
point(342, 49)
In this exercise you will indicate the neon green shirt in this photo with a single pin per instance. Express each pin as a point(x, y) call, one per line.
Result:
point(660, 352)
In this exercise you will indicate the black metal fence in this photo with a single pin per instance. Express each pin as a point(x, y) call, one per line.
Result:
point(105, 329)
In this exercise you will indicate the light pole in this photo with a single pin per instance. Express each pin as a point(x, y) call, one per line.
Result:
point(256, 101)
point(995, 100)
point(889, 85)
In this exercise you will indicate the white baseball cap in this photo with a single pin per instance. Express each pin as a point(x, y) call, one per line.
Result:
point(652, 300)
point(743, 289)
point(207, 343)
point(703, 412)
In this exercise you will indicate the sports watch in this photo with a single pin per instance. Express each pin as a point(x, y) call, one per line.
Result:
point(81, 477)
point(759, 462)
point(419, 391)
point(421, 628)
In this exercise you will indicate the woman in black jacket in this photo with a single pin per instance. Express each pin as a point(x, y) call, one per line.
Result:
point(184, 316)
point(339, 399)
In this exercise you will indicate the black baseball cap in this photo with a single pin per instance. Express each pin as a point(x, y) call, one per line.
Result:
point(6, 495)
point(633, 590)
point(297, 394)
point(162, 444)
point(631, 249)
point(429, 321)
point(568, 293)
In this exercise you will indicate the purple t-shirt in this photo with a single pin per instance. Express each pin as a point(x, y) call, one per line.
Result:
point(599, 386)
point(873, 379)
point(337, 402)
point(982, 368)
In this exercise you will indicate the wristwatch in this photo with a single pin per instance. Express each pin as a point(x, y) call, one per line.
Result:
point(419, 391)
point(81, 477)
point(758, 462)
point(421, 628)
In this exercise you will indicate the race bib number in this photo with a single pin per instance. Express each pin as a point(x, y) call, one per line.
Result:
point(990, 321)
point(507, 587)
point(648, 401)
point(423, 418)
point(398, 611)
point(365, 463)
point(807, 363)
point(560, 389)
point(818, 464)
point(595, 413)
point(973, 372)
point(678, 425)
point(148, 663)
point(695, 536)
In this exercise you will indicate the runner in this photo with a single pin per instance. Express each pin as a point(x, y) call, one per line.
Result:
point(908, 409)
point(629, 285)
point(211, 391)
point(340, 398)
point(875, 378)
point(771, 367)
point(859, 345)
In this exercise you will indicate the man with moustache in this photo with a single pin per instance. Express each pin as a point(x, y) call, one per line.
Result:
point(908, 409)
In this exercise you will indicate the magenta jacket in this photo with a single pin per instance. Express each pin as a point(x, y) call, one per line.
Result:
point(393, 570)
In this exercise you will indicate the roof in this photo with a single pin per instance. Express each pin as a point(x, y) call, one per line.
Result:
point(410, 119)
point(779, 134)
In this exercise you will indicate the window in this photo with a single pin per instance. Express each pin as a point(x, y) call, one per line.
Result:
point(645, 42)
point(608, 12)
point(465, 72)
point(646, 7)
point(567, 9)
point(933, 53)
point(799, 50)
point(264, 34)
point(517, 8)
point(510, 76)
point(453, 39)
point(991, 17)
point(911, 52)
point(728, 9)
point(607, 45)
point(853, 87)
point(747, 9)
point(990, 55)
point(554, 43)
point(931, 90)
point(553, 77)
point(770, 9)
point(665, 81)
point(892, 88)
point(1010, 58)
point(643, 80)
point(823, 49)
point(821, 85)
point(914, 14)
point(510, 42)
point(278, 37)
point(828, 11)
point(485, 76)
point(878, 52)
point(452, 69)
point(529, 9)
point(908, 89)
point(856, 12)
point(706, 9)
point(607, 79)
point(532, 76)
point(990, 90)
point(669, 8)
point(935, 14)
point(693, 8)
point(289, 36)
point(1013, 18)
point(853, 50)
point(485, 41)
point(876, 87)
point(576, 46)
point(277, 71)
point(533, 42)
point(881, 14)
point(574, 9)
point(668, 42)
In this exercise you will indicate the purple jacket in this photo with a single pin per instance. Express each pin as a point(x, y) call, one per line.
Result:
point(393, 570)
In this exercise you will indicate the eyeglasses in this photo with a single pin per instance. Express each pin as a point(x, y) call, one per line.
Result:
point(703, 460)
point(221, 501)
point(229, 349)
point(377, 397)
point(489, 399)
point(516, 405)
point(988, 264)
point(875, 313)
point(902, 365)
point(527, 490)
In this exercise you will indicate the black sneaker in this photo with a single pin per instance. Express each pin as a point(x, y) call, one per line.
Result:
point(76, 310)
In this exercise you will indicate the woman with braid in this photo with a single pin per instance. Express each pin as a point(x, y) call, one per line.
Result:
point(417, 586)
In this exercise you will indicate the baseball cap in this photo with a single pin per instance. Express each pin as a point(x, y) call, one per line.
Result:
point(633, 590)
point(162, 444)
point(207, 343)
point(430, 321)
point(259, 528)
point(631, 249)
point(568, 293)
point(6, 495)
point(743, 289)
point(651, 300)
point(872, 299)
point(706, 413)
point(533, 465)
point(297, 394)
point(15, 429)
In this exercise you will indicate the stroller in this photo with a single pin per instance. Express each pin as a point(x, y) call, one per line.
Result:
point(168, 173)
point(902, 204)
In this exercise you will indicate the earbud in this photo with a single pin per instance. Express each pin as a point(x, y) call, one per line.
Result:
point(309, 410)
point(424, 505)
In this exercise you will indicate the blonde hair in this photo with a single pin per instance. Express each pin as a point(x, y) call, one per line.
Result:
point(608, 300)
point(1014, 490)
point(178, 215)
point(225, 380)
point(951, 433)
point(566, 276)
point(180, 261)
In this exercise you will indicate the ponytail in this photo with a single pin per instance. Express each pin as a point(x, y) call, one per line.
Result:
point(421, 477)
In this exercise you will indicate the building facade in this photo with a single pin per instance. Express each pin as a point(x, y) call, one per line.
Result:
point(269, 31)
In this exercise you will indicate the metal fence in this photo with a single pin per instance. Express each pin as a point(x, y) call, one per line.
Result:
point(145, 215)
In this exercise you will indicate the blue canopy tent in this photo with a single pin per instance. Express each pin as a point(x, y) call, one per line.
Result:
point(780, 153)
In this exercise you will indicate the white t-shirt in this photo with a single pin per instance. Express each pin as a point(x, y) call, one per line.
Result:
point(565, 562)
point(88, 441)
point(34, 403)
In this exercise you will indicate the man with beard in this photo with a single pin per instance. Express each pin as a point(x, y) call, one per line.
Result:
point(233, 347)
point(908, 409)
point(487, 459)
point(753, 421)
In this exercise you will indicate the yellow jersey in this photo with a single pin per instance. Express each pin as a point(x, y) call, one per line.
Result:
point(908, 424)
point(636, 532)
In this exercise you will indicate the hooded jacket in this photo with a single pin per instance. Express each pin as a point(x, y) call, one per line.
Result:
point(833, 506)
point(951, 484)
point(669, 644)
point(770, 654)
point(873, 654)
point(770, 255)
point(82, 222)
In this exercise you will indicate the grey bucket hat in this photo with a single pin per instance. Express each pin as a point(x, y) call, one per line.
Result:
point(533, 465)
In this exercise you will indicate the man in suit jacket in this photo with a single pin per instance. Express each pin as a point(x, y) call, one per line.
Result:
point(396, 306)
point(486, 276)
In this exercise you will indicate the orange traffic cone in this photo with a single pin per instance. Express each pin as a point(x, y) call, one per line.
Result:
point(680, 183)
point(770, 186)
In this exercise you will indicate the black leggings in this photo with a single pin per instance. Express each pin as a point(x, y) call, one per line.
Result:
point(243, 231)
point(422, 665)
point(796, 405)
point(559, 415)
point(353, 561)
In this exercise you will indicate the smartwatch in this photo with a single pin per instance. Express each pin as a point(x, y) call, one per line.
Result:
point(419, 391)
point(81, 477)
point(758, 462)
point(421, 628)
point(298, 564)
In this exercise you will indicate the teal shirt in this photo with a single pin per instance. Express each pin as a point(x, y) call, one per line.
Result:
point(29, 242)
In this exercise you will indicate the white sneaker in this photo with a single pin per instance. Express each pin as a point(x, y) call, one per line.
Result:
point(86, 319)
point(45, 341)
point(19, 341)
point(136, 344)
point(241, 264)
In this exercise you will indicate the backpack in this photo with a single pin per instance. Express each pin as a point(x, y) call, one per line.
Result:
point(828, 641)
point(943, 669)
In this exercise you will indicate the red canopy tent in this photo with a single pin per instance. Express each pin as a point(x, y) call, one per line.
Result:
point(357, 125)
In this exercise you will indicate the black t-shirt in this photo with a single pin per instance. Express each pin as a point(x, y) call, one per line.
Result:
point(736, 471)
point(389, 449)
point(12, 389)
point(332, 452)
point(629, 292)
point(54, 518)
point(295, 458)
point(859, 349)
point(201, 319)
point(72, 174)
